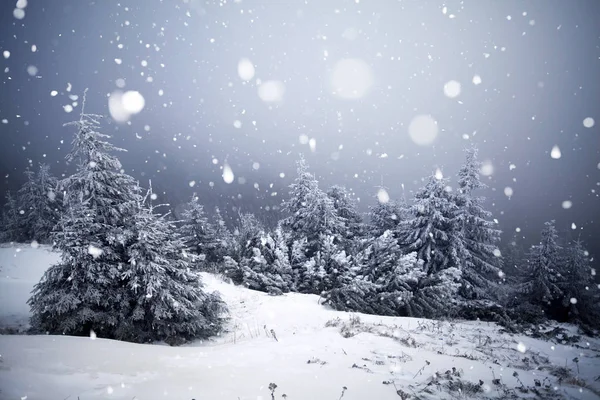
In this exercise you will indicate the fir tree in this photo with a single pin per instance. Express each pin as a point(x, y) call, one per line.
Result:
point(513, 255)
point(268, 268)
point(346, 209)
point(432, 230)
point(166, 300)
point(327, 269)
point(85, 290)
point(540, 285)
point(311, 212)
point(385, 216)
point(12, 226)
point(249, 235)
point(482, 264)
point(28, 198)
point(434, 233)
point(198, 233)
point(225, 241)
point(49, 205)
point(576, 282)
point(435, 294)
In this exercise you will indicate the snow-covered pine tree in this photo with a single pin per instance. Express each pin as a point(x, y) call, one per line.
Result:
point(399, 284)
point(28, 200)
point(482, 266)
point(268, 268)
point(224, 238)
point(580, 293)
point(85, 290)
point(379, 263)
point(513, 256)
point(434, 233)
point(166, 300)
point(311, 218)
point(246, 236)
point(540, 280)
point(435, 294)
point(198, 234)
point(12, 224)
point(346, 209)
point(297, 256)
point(249, 234)
point(385, 216)
point(432, 229)
point(380, 257)
point(311, 212)
point(330, 270)
point(383, 276)
point(49, 204)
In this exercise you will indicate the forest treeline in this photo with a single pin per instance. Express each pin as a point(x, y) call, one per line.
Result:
point(127, 272)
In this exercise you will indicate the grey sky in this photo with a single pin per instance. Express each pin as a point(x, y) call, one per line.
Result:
point(538, 62)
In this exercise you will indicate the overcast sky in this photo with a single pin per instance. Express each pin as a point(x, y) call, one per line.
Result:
point(252, 84)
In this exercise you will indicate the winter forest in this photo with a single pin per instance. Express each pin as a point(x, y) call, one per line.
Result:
point(212, 198)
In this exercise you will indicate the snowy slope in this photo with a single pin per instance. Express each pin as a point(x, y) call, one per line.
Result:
point(21, 267)
point(307, 361)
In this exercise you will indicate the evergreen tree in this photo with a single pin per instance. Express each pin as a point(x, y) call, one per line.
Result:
point(298, 259)
point(380, 257)
point(28, 199)
point(576, 282)
point(249, 235)
point(225, 241)
point(433, 230)
point(268, 268)
point(481, 266)
point(311, 212)
point(435, 294)
point(47, 208)
point(166, 300)
point(85, 290)
point(385, 216)
point(382, 281)
point(327, 269)
point(540, 284)
point(12, 224)
point(513, 255)
point(198, 233)
point(346, 209)
point(435, 234)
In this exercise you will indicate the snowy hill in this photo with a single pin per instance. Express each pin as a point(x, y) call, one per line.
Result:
point(307, 350)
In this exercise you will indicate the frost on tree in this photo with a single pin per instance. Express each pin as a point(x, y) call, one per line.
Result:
point(311, 212)
point(12, 227)
point(247, 236)
point(385, 216)
point(311, 218)
point(166, 300)
point(346, 209)
point(432, 230)
point(581, 297)
point(327, 269)
point(103, 231)
point(267, 268)
point(40, 203)
point(85, 290)
point(434, 233)
point(382, 280)
point(199, 234)
point(224, 240)
point(481, 268)
point(541, 278)
point(35, 211)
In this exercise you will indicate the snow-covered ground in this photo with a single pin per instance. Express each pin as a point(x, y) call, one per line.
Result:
point(372, 357)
